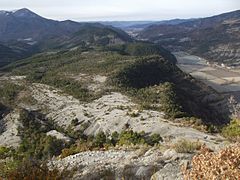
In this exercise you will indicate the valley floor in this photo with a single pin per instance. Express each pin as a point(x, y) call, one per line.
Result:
point(223, 79)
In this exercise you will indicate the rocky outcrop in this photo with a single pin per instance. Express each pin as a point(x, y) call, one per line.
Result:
point(112, 113)
point(119, 164)
point(109, 113)
point(9, 130)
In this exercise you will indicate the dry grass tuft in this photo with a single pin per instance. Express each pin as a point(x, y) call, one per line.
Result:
point(185, 146)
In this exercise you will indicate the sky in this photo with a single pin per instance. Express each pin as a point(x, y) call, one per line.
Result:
point(122, 10)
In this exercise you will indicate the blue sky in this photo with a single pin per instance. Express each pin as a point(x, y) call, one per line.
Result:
point(92, 10)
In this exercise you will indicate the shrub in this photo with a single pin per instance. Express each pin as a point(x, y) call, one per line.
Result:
point(115, 138)
point(7, 166)
point(232, 131)
point(74, 122)
point(209, 165)
point(78, 147)
point(130, 137)
point(185, 146)
point(100, 139)
point(154, 139)
point(35, 142)
point(8, 92)
point(33, 169)
point(4, 152)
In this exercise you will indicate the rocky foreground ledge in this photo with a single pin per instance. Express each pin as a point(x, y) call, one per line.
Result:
point(143, 163)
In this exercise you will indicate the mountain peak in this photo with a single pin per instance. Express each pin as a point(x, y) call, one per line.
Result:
point(24, 12)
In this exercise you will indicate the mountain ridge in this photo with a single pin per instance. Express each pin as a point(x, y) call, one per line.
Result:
point(30, 31)
point(222, 32)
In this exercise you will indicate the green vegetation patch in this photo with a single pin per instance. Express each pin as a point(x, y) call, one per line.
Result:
point(232, 131)
point(31, 169)
point(9, 92)
point(145, 72)
point(154, 79)
point(68, 86)
point(35, 143)
point(133, 69)
point(104, 141)
point(141, 49)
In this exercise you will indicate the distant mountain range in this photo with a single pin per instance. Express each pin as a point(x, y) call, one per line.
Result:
point(216, 38)
point(23, 33)
point(131, 25)
point(25, 24)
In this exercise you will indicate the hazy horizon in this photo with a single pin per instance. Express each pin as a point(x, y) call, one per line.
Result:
point(125, 10)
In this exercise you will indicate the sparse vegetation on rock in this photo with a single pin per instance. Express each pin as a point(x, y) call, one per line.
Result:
point(35, 143)
point(156, 83)
point(103, 141)
point(32, 169)
point(8, 92)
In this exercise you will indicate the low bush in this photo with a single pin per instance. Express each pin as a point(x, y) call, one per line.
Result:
point(35, 143)
point(34, 169)
point(154, 139)
point(8, 166)
point(8, 93)
point(232, 131)
point(78, 147)
point(185, 146)
point(4, 152)
point(100, 139)
point(103, 141)
point(130, 137)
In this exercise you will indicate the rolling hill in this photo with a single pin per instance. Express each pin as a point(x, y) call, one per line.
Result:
point(89, 35)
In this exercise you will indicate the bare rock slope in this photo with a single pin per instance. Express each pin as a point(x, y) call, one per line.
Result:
point(111, 113)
